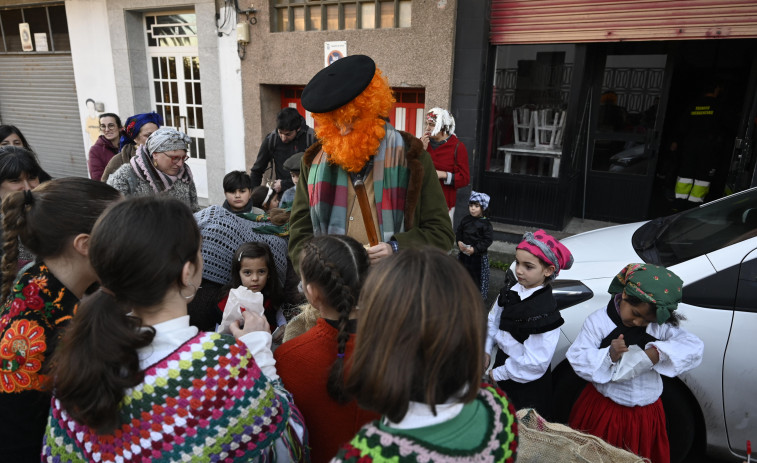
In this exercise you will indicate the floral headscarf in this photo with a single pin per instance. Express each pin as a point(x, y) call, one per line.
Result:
point(652, 284)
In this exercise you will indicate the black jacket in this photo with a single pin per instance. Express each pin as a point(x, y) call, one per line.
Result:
point(274, 150)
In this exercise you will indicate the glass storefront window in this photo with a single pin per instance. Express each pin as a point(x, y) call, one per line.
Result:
point(529, 108)
point(628, 106)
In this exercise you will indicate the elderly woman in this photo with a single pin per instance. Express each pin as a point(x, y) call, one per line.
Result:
point(159, 169)
point(134, 134)
point(448, 154)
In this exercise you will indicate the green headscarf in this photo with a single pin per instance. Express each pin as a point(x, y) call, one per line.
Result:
point(650, 283)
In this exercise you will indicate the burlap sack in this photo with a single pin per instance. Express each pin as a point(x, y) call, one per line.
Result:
point(540, 441)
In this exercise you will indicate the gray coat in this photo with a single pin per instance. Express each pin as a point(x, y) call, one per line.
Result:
point(130, 185)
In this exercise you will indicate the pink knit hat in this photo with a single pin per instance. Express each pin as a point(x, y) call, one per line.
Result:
point(548, 249)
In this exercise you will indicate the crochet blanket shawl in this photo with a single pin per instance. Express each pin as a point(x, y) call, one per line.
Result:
point(500, 445)
point(207, 401)
point(222, 234)
point(327, 189)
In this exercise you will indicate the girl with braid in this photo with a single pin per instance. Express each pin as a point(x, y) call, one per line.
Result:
point(54, 221)
point(311, 365)
point(135, 382)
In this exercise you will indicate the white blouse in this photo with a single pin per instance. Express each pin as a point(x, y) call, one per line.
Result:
point(527, 361)
point(679, 350)
point(171, 334)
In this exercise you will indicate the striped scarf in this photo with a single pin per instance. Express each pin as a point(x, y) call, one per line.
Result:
point(327, 188)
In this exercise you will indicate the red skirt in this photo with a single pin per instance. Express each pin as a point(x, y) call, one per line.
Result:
point(640, 430)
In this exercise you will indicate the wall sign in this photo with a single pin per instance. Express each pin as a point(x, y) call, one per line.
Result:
point(333, 51)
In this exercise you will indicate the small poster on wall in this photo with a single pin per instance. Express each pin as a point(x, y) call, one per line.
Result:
point(333, 51)
point(40, 41)
point(26, 37)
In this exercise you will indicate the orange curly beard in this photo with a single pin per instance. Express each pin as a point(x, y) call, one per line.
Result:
point(363, 114)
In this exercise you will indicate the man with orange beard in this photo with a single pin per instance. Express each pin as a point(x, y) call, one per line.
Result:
point(360, 158)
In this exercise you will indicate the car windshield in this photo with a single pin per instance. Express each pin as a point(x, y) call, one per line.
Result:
point(683, 236)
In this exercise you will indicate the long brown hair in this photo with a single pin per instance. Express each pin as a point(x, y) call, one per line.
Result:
point(420, 334)
point(48, 218)
point(138, 248)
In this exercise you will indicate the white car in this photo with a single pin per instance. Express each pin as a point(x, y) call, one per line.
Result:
point(711, 409)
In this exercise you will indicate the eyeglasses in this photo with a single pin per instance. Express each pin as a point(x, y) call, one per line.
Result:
point(176, 159)
point(109, 126)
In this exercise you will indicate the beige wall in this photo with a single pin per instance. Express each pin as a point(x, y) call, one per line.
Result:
point(418, 56)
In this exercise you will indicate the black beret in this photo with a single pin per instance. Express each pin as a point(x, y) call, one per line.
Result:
point(338, 84)
point(292, 164)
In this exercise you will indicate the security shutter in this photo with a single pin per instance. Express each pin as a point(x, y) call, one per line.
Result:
point(571, 21)
point(38, 95)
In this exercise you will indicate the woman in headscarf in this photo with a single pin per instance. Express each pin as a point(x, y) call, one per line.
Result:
point(134, 134)
point(448, 153)
point(159, 169)
point(622, 351)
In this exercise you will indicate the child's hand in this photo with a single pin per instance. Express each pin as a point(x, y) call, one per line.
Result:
point(464, 248)
point(653, 354)
point(252, 322)
point(487, 360)
point(617, 348)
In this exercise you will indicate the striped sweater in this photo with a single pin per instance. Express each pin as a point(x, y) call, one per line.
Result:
point(206, 401)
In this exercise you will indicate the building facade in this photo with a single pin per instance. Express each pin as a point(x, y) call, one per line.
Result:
point(412, 42)
point(124, 57)
point(581, 110)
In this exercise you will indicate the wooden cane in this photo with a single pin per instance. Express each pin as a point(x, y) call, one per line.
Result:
point(365, 209)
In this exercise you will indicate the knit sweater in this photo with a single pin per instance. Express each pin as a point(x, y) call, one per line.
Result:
point(206, 401)
point(39, 306)
point(130, 185)
point(490, 416)
point(303, 364)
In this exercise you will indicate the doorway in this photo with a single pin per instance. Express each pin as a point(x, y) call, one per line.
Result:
point(640, 95)
point(628, 97)
point(175, 91)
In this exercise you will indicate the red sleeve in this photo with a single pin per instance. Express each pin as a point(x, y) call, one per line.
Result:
point(461, 169)
point(222, 304)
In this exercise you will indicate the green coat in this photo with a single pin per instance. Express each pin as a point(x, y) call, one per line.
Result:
point(426, 218)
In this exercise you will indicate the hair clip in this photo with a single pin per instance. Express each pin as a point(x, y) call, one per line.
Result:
point(341, 356)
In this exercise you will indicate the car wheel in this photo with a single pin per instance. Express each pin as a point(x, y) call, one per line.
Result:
point(683, 422)
point(566, 387)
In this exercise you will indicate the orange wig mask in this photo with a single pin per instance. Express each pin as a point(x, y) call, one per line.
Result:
point(363, 116)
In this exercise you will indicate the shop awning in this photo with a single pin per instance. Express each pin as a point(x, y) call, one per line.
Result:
point(569, 21)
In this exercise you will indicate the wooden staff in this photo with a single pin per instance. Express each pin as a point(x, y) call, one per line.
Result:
point(365, 209)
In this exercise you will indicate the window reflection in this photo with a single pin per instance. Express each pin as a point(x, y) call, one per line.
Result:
point(626, 157)
point(531, 92)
